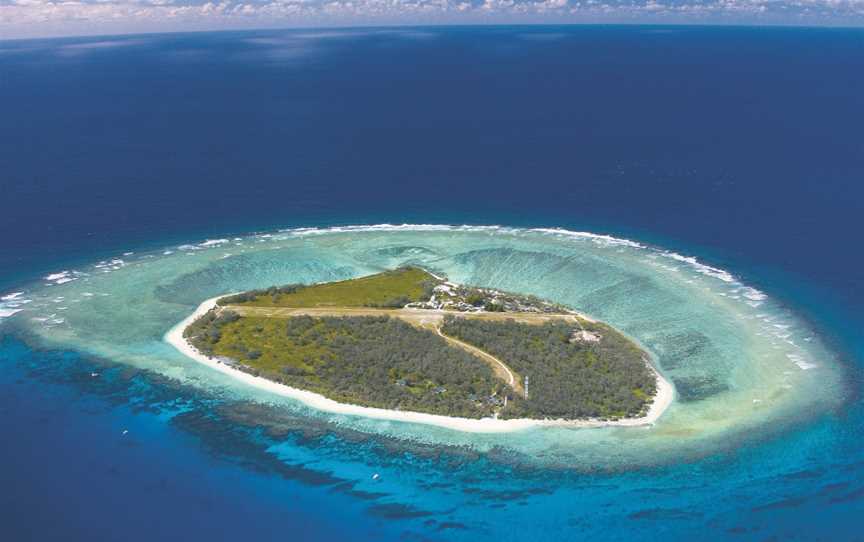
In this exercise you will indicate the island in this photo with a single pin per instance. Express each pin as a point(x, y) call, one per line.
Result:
point(407, 344)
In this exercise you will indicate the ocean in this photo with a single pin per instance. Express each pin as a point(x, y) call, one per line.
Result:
point(737, 146)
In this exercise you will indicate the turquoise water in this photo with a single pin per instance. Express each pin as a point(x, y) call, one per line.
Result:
point(747, 373)
point(741, 364)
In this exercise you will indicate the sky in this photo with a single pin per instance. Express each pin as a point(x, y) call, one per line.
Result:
point(46, 18)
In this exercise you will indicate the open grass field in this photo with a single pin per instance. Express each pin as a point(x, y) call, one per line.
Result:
point(387, 289)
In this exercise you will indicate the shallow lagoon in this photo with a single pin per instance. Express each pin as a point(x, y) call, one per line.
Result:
point(742, 365)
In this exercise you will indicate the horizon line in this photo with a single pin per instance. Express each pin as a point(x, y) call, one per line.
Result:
point(445, 26)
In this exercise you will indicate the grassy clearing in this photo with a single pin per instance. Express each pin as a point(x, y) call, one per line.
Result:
point(271, 350)
point(388, 289)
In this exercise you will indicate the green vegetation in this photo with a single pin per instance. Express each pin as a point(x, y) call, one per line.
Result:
point(568, 377)
point(576, 369)
point(392, 289)
point(372, 361)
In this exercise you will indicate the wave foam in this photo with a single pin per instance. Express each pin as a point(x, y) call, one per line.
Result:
point(604, 240)
point(106, 266)
point(799, 360)
point(213, 242)
point(10, 304)
point(700, 267)
point(753, 296)
point(62, 277)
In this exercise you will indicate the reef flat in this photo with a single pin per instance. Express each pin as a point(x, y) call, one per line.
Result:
point(740, 362)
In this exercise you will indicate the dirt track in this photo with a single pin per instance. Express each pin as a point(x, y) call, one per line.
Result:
point(425, 318)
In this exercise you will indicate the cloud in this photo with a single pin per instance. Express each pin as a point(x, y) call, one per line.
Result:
point(22, 18)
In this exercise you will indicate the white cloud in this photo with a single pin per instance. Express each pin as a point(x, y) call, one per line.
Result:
point(20, 18)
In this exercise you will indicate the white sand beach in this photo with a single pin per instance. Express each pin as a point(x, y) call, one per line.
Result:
point(663, 398)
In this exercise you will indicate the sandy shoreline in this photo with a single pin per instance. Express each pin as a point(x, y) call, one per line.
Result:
point(662, 400)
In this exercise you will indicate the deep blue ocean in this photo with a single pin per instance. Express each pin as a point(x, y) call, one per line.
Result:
point(742, 146)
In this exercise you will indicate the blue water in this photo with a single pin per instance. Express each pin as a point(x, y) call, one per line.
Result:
point(741, 146)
